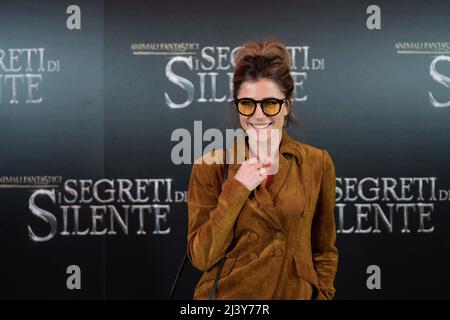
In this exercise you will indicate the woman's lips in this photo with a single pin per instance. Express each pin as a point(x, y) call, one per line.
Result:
point(260, 126)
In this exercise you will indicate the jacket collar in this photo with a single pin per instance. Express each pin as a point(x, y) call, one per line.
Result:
point(288, 147)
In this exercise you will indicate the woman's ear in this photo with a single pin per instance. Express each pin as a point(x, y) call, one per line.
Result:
point(288, 106)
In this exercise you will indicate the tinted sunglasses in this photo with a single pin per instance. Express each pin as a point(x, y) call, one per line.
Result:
point(270, 106)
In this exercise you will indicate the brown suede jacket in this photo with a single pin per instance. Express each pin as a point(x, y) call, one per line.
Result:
point(279, 242)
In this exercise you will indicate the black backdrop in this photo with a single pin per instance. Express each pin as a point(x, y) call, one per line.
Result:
point(111, 106)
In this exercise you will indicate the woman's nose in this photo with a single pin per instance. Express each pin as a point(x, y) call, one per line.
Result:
point(258, 112)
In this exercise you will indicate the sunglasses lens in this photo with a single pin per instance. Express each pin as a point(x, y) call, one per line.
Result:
point(271, 107)
point(246, 107)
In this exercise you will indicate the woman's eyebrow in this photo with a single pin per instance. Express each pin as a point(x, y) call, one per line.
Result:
point(269, 97)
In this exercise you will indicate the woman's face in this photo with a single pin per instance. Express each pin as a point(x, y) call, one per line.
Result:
point(259, 123)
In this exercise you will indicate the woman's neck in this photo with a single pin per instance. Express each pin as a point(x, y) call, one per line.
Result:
point(266, 153)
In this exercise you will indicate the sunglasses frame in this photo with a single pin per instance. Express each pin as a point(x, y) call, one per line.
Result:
point(260, 102)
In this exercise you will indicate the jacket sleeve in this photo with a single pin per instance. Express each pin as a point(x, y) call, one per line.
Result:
point(323, 237)
point(212, 212)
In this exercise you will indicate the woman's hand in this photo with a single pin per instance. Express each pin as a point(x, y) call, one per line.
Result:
point(252, 173)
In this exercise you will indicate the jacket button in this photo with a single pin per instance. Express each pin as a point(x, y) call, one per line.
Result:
point(253, 236)
point(253, 256)
point(279, 236)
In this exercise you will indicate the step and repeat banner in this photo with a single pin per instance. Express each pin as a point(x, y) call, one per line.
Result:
point(96, 97)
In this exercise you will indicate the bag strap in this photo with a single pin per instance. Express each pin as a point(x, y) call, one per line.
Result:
point(212, 294)
point(180, 270)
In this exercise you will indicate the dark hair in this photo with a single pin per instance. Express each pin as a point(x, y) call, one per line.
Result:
point(268, 59)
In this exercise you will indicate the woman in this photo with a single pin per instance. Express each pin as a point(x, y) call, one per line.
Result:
point(273, 218)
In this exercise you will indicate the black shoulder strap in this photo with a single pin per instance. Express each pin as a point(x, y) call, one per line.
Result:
point(180, 270)
point(212, 295)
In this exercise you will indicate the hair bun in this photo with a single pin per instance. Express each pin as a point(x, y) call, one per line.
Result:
point(263, 59)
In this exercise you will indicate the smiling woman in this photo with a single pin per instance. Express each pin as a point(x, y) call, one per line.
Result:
point(268, 231)
point(265, 69)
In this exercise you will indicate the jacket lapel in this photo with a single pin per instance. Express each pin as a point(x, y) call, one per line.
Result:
point(290, 154)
